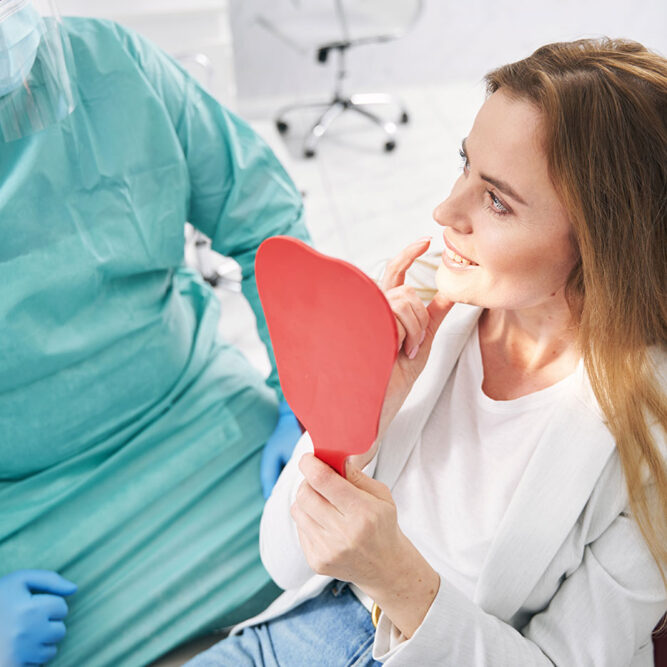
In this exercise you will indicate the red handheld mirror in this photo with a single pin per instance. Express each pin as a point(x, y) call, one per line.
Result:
point(335, 338)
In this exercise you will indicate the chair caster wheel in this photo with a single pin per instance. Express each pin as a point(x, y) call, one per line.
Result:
point(308, 152)
point(404, 118)
point(282, 126)
point(389, 146)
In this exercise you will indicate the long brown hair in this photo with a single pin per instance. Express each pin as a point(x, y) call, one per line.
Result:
point(604, 108)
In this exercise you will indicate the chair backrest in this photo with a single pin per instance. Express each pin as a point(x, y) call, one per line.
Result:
point(307, 23)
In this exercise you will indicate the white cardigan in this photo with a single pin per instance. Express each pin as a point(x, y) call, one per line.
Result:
point(568, 579)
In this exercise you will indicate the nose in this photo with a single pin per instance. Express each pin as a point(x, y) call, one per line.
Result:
point(454, 211)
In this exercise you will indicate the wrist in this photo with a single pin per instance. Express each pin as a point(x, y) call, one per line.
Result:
point(285, 412)
point(390, 409)
point(407, 589)
point(284, 408)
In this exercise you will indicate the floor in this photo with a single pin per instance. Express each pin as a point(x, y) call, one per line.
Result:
point(362, 204)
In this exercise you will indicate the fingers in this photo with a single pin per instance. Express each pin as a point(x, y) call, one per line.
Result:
point(306, 529)
point(320, 510)
point(41, 654)
point(362, 481)
point(46, 581)
point(55, 633)
point(412, 318)
point(394, 274)
point(304, 521)
point(327, 482)
point(314, 540)
point(54, 607)
point(437, 311)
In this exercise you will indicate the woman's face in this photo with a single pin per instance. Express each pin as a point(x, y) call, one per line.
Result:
point(507, 236)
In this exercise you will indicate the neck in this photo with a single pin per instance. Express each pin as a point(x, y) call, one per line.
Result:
point(526, 350)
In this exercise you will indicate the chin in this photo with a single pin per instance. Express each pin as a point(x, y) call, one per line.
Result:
point(462, 299)
point(443, 283)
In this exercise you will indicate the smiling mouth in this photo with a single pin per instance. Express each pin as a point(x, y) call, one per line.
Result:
point(457, 258)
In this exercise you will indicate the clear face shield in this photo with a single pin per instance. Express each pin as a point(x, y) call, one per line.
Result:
point(36, 68)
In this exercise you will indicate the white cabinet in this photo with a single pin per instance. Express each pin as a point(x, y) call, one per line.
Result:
point(197, 33)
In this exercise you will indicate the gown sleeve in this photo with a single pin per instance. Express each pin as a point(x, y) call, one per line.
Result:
point(240, 194)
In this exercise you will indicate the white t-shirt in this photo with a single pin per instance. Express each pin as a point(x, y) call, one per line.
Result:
point(462, 473)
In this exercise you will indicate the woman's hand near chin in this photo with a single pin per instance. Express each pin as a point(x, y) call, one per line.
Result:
point(417, 325)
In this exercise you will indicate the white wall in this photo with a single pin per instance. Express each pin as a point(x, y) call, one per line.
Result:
point(453, 40)
point(182, 28)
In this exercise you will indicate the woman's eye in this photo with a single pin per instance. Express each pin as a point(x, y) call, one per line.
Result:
point(464, 160)
point(496, 205)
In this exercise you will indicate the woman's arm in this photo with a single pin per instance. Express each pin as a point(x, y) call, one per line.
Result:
point(601, 615)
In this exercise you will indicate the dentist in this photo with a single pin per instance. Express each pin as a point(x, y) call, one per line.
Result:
point(131, 435)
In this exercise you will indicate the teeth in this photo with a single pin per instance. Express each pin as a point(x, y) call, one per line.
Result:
point(457, 258)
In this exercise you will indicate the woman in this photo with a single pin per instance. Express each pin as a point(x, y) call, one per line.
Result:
point(513, 512)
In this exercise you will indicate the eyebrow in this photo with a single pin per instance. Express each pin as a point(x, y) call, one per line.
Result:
point(503, 186)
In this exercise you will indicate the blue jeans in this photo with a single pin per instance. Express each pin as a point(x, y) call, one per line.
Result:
point(334, 629)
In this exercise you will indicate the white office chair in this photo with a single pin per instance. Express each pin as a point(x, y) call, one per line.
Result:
point(334, 26)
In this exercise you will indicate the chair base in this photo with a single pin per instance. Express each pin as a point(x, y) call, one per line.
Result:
point(336, 107)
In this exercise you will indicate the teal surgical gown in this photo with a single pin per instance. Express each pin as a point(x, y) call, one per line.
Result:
point(130, 433)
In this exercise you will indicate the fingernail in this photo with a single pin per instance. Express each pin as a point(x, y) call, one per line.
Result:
point(413, 352)
point(421, 340)
point(423, 239)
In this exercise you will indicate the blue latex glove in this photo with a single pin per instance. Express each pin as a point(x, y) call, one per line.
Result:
point(279, 447)
point(32, 610)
